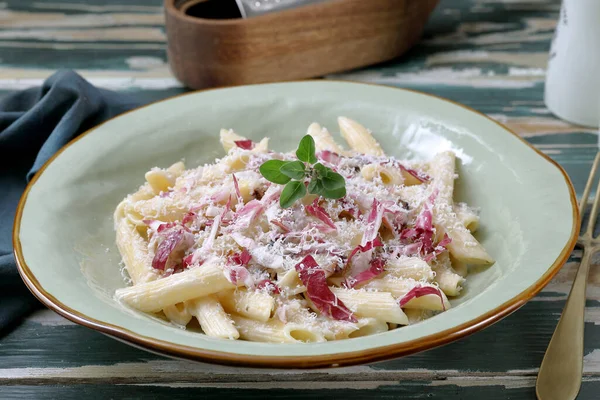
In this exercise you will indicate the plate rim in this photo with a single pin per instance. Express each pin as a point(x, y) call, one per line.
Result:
point(349, 358)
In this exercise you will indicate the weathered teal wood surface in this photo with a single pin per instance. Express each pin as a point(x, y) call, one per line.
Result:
point(486, 54)
point(404, 390)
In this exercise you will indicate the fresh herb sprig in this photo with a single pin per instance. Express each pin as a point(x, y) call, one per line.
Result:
point(322, 181)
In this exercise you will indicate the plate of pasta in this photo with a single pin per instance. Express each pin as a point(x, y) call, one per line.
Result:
point(302, 224)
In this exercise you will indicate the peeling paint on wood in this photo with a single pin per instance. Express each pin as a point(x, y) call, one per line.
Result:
point(17, 20)
point(78, 35)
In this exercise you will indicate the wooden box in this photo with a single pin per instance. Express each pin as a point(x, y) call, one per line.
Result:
point(304, 42)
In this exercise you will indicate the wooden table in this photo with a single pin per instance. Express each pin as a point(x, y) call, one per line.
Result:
point(487, 54)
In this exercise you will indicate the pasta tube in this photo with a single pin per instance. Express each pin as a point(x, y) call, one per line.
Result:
point(178, 314)
point(323, 139)
point(272, 331)
point(155, 295)
point(371, 304)
point(213, 320)
point(359, 138)
point(251, 304)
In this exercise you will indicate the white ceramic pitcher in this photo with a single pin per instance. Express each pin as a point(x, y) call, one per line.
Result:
point(573, 75)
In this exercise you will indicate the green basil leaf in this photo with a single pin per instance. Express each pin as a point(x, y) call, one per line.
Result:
point(321, 169)
point(293, 169)
point(315, 187)
point(294, 190)
point(334, 194)
point(333, 181)
point(271, 171)
point(306, 150)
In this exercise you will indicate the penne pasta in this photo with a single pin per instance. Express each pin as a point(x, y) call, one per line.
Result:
point(417, 315)
point(303, 333)
point(323, 139)
point(250, 304)
point(400, 287)
point(410, 268)
point(305, 246)
point(359, 138)
point(379, 305)
point(160, 180)
point(160, 208)
point(464, 247)
point(448, 280)
point(178, 314)
point(235, 162)
point(228, 138)
point(213, 320)
point(290, 282)
point(442, 171)
point(459, 267)
point(369, 326)
point(338, 330)
point(247, 189)
point(155, 295)
point(134, 250)
point(177, 169)
point(387, 175)
point(431, 302)
point(272, 331)
point(466, 216)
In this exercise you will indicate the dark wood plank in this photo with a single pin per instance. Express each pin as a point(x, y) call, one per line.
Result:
point(400, 390)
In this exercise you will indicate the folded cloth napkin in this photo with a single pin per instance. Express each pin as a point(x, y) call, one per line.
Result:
point(34, 124)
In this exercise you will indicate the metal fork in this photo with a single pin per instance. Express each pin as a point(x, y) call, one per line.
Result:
point(562, 367)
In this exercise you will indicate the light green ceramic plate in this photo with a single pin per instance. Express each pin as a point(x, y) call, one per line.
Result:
point(64, 238)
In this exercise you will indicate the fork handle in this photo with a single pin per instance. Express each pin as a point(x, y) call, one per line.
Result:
point(561, 371)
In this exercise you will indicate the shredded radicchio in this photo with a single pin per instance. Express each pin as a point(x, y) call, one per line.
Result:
point(422, 234)
point(319, 212)
point(313, 277)
point(159, 226)
point(188, 217)
point(376, 268)
point(187, 260)
point(350, 208)
point(269, 285)
point(284, 228)
point(252, 210)
point(439, 249)
point(329, 157)
point(235, 270)
point(238, 273)
point(242, 258)
point(238, 194)
point(360, 258)
point(419, 291)
point(221, 195)
point(374, 220)
point(368, 246)
point(246, 144)
point(416, 174)
point(176, 238)
point(153, 224)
